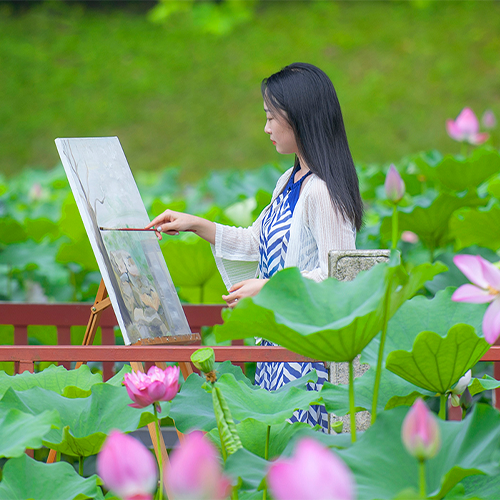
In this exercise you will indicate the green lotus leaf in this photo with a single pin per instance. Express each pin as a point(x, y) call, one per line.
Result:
point(253, 433)
point(54, 378)
point(436, 363)
point(393, 391)
point(11, 231)
point(19, 430)
point(329, 321)
point(85, 422)
point(469, 447)
point(474, 227)
point(419, 314)
point(459, 174)
point(25, 478)
point(192, 408)
point(269, 407)
point(430, 218)
point(481, 487)
point(246, 467)
point(486, 383)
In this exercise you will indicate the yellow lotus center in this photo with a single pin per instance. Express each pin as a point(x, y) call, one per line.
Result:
point(492, 290)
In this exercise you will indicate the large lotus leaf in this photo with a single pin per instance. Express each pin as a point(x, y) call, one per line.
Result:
point(459, 174)
point(393, 391)
point(454, 277)
point(468, 447)
point(85, 422)
point(246, 466)
point(25, 478)
point(193, 408)
point(19, 430)
point(430, 219)
point(54, 378)
point(486, 383)
point(477, 227)
point(331, 320)
point(253, 434)
point(193, 269)
point(11, 231)
point(483, 487)
point(436, 363)
point(269, 407)
point(420, 314)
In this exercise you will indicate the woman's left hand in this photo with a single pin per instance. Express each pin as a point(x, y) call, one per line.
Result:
point(247, 288)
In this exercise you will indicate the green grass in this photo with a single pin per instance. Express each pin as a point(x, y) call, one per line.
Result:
point(175, 96)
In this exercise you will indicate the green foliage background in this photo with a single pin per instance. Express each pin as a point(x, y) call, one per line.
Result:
point(176, 95)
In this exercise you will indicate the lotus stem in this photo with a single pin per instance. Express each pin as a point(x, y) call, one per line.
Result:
point(378, 373)
point(266, 456)
point(443, 401)
point(80, 465)
point(421, 471)
point(352, 407)
point(160, 465)
point(395, 227)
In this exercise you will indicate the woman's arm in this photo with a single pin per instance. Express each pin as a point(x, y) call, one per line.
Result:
point(170, 222)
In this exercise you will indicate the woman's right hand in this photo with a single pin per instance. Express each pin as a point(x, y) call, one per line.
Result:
point(171, 222)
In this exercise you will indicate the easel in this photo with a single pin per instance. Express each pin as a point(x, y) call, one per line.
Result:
point(101, 303)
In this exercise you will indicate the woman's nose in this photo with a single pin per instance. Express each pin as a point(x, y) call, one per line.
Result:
point(267, 129)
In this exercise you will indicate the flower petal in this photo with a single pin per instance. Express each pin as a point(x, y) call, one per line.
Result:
point(491, 322)
point(454, 131)
point(477, 139)
point(491, 274)
point(472, 294)
point(467, 122)
point(470, 265)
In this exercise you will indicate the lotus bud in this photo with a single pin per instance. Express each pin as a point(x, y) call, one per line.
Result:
point(459, 389)
point(313, 472)
point(127, 467)
point(409, 237)
point(489, 120)
point(420, 432)
point(195, 471)
point(466, 399)
point(394, 185)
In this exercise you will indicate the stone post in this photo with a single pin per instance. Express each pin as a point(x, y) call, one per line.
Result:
point(345, 265)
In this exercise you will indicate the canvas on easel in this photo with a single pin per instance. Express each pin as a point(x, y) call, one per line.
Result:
point(132, 266)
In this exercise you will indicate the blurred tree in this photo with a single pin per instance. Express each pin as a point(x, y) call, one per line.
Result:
point(217, 17)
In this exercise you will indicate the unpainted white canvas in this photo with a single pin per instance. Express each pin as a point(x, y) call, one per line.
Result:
point(131, 263)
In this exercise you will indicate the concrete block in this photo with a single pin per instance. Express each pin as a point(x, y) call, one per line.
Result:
point(345, 265)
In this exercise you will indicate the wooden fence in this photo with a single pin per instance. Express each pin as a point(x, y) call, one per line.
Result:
point(64, 316)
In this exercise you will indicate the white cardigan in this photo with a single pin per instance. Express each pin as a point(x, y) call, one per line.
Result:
point(316, 228)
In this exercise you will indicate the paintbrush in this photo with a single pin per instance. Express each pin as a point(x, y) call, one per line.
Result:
point(125, 229)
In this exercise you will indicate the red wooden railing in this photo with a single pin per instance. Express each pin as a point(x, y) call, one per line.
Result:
point(63, 316)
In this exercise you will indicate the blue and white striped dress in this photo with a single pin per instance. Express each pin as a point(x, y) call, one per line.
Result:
point(274, 238)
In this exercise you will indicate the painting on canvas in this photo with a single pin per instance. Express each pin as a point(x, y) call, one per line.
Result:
point(131, 263)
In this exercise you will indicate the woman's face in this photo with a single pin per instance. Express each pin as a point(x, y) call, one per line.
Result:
point(280, 132)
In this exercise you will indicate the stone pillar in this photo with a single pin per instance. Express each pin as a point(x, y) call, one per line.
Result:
point(345, 265)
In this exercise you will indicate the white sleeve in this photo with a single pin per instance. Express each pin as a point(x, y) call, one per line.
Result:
point(328, 228)
point(236, 249)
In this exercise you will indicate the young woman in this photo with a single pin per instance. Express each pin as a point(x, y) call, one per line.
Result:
point(316, 207)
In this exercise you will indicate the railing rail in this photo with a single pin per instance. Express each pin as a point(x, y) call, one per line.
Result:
point(64, 316)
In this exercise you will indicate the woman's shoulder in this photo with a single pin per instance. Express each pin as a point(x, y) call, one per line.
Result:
point(281, 182)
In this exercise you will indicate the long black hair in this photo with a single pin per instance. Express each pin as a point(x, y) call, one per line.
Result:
point(304, 95)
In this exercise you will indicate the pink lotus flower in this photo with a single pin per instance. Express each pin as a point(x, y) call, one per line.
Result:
point(157, 385)
point(486, 288)
point(466, 128)
point(127, 467)
point(394, 185)
point(420, 432)
point(312, 473)
point(195, 472)
point(489, 120)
